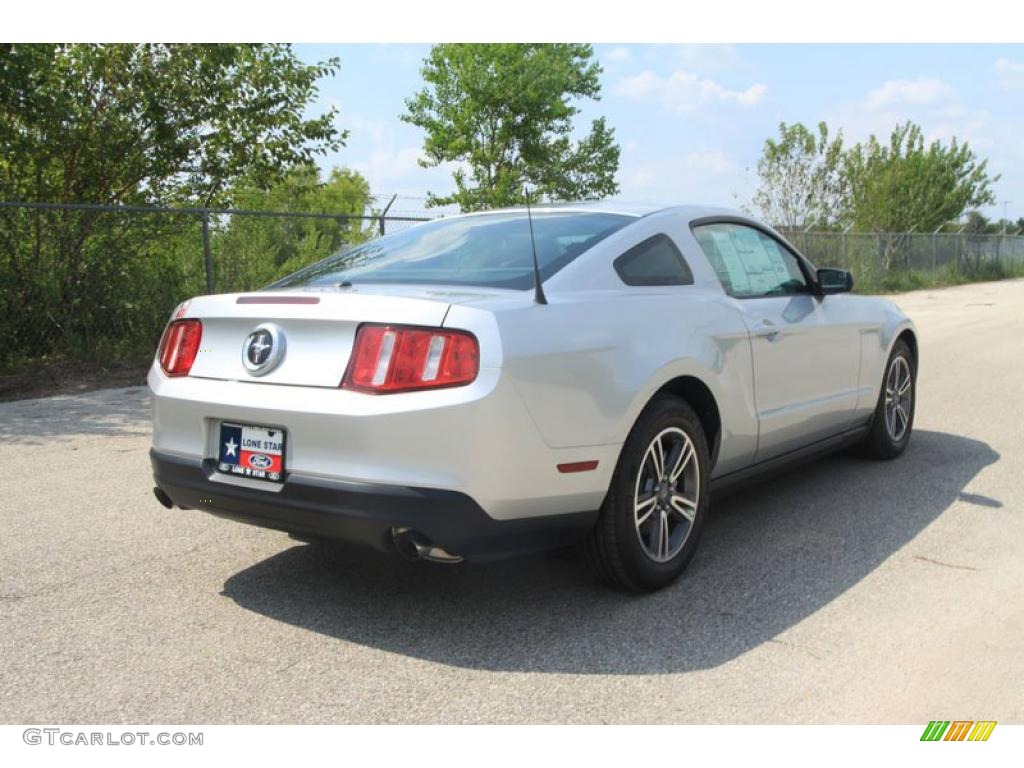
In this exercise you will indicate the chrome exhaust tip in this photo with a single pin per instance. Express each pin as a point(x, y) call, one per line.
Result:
point(415, 546)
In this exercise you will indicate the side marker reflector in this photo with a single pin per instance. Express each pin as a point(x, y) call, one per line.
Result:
point(577, 466)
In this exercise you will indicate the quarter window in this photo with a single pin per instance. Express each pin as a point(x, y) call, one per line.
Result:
point(750, 263)
point(655, 261)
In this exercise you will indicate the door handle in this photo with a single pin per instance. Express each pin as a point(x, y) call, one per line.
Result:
point(766, 329)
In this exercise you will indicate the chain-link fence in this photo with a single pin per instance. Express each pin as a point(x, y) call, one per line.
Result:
point(892, 261)
point(86, 285)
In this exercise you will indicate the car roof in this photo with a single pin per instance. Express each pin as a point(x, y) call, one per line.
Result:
point(622, 208)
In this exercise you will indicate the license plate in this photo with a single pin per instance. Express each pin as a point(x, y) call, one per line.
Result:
point(251, 451)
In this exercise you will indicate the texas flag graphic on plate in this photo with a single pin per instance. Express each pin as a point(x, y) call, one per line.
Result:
point(251, 451)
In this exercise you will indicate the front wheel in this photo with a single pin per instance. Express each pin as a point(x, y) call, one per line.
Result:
point(651, 519)
point(894, 414)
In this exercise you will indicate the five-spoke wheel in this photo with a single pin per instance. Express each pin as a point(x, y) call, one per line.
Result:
point(667, 493)
point(898, 393)
point(651, 519)
point(894, 413)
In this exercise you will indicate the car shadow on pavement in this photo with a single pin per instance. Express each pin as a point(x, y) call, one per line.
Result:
point(109, 412)
point(770, 556)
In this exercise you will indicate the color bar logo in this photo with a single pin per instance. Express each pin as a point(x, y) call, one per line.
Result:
point(958, 730)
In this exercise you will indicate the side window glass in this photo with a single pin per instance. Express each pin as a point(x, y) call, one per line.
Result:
point(783, 273)
point(655, 261)
point(749, 262)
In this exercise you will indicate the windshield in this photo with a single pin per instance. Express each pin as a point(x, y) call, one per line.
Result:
point(490, 250)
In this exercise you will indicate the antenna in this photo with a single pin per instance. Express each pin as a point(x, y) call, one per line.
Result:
point(538, 290)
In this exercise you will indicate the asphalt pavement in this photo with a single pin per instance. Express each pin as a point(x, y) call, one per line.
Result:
point(847, 591)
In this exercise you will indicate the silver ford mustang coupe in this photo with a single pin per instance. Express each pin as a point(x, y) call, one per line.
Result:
point(509, 381)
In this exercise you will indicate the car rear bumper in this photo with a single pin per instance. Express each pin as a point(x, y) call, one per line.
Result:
point(365, 512)
point(477, 440)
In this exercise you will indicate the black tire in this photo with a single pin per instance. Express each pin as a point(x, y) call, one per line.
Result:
point(881, 443)
point(617, 549)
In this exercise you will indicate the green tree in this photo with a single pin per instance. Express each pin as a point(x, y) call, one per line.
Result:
point(505, 114)
point(906, 184)
point(133, 124)
point(801, 180)
point(252, 251)
point(153, 123)
point(977, 223)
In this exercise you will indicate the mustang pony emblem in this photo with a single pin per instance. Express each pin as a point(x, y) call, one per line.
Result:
point(263, 349)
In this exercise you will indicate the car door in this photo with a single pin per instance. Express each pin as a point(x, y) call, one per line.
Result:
point(806, 357)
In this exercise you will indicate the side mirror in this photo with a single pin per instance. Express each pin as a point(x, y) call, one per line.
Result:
point(834, 281)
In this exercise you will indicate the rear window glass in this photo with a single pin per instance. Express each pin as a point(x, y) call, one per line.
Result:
point(489, 250)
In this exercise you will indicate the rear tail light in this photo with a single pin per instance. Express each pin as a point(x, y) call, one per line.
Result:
point(391, 358)
point(179, 346)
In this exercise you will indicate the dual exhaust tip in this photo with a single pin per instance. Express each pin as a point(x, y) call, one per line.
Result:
point(415, 546)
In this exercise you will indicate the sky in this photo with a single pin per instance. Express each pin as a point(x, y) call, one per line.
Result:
point(692, 119)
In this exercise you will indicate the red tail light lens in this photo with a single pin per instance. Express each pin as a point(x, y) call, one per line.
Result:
point(391, 358)
point(179, 346)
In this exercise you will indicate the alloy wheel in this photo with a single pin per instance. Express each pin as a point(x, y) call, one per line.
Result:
point(667, 494)
point(899, 391)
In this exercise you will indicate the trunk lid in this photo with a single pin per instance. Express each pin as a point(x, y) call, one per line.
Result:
point(318, 327)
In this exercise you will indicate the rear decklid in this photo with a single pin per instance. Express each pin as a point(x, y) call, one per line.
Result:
point(317, 327)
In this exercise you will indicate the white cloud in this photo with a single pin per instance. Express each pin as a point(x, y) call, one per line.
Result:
point(705, 57)
point(926, 92)
point(694, 57)
point(399, 171)
point(1010, 73)
point(402, 52)
point(705, 177)
point(379, 132)
point(710, 162)
point(636, 181)
point(684, 91)
point(619, 53)
point(931, 103)
point(384, 167)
